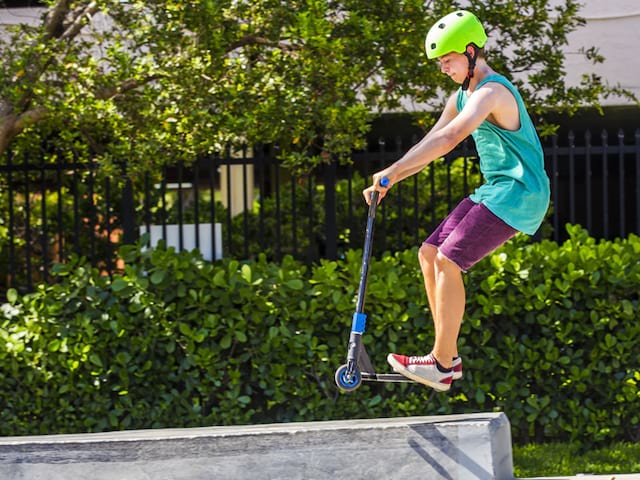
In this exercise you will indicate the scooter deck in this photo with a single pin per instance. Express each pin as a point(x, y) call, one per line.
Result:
point(385, 377)
point(368, 374)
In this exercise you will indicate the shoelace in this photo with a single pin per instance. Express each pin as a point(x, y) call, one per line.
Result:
point(424, 359)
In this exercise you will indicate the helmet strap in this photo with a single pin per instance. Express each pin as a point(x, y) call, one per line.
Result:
point(472, 65)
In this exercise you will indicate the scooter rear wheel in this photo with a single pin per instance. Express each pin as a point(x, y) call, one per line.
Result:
point(346, 382)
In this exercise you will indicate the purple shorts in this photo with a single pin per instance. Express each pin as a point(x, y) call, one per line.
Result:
point(469, 233)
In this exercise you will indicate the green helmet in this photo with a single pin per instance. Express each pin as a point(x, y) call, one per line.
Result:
point(453, 32)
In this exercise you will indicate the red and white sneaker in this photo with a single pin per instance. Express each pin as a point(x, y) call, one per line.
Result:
point(421, 369)
point(457, 368)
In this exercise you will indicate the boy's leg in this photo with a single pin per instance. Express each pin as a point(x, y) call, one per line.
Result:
point(429, 252)
point(469, 234)
point(450, 303)
point(469, 238)
point(427, 256)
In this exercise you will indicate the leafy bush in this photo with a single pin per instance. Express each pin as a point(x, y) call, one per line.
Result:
point(549, 337)
point(558, 325)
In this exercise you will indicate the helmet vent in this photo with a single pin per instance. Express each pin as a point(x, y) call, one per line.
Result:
point(442, 25)
point(433, 46)
point(460, 14)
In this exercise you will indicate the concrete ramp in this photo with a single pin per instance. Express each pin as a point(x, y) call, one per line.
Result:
point(466, 447)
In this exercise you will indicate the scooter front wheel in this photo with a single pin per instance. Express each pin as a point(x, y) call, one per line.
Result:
point(346, 381)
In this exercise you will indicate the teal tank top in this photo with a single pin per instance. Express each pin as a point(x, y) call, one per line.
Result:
point(516, 187)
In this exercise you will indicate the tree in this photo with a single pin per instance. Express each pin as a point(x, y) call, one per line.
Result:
point(148, 80)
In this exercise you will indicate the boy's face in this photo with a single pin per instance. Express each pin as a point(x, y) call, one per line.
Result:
point(455, 65)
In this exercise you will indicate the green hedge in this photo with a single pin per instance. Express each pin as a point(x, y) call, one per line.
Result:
point(550, 337)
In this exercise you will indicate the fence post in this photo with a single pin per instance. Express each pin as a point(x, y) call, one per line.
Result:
point(128, 214)
point(554, 186)
point(637, 149)
point(330, 228)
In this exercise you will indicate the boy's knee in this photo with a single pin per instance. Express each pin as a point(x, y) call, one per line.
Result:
point(427, 254)
point(442, 262)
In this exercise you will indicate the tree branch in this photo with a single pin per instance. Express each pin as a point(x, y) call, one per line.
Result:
point(6, 131)
point(29, 118)
point(79, 20)
point(256, 40)
point(126, 86)
point(54, 22)
point(11, 125)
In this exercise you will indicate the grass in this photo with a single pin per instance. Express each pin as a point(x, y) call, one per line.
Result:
point(563, 459)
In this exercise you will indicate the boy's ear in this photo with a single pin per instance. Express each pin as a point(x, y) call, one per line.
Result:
point(471, 49)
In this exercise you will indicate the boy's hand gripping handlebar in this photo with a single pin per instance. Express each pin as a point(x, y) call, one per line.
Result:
point(384, 182)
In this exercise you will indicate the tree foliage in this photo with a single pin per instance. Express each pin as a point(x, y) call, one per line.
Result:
point(149, 81)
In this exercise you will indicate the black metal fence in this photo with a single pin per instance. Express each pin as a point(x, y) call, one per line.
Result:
point(242, 204)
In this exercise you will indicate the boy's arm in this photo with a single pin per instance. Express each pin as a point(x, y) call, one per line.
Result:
point(449, 113)
point(447, 133)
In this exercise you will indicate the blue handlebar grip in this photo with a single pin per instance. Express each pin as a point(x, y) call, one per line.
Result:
point(384, 182)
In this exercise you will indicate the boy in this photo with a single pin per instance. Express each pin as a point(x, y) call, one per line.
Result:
point(514, 197)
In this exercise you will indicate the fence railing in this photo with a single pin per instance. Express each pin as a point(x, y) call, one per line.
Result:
point(241, 204)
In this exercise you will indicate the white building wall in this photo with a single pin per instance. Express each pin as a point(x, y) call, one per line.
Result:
point(17, 15)
point(613, 26)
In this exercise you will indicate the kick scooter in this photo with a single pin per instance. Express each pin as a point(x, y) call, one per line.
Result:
point(358, 367)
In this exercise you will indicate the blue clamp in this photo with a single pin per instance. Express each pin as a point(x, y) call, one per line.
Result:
point(359, 322)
